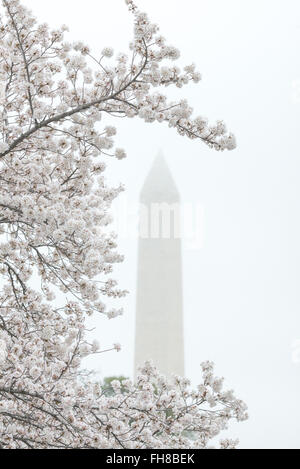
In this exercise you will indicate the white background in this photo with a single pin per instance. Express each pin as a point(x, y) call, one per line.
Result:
point(241, 288)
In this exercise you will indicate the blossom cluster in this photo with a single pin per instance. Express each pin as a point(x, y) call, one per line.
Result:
point(45, 410)
point(54, 226)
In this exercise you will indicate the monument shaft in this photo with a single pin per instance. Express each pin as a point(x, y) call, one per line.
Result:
point(159, 314)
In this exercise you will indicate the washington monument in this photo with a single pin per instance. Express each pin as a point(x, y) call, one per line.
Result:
point(159, 311)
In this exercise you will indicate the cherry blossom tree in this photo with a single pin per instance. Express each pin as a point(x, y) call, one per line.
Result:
point(54, 226)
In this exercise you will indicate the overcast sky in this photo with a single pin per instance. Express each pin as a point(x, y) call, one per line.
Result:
point(241, 287)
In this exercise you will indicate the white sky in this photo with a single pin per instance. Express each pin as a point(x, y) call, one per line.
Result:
point(241, 289)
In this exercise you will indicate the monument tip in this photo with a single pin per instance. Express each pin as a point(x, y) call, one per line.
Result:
point(159, 185)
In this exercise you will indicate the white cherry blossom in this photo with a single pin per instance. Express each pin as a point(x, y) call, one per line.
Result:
point(54, 226)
